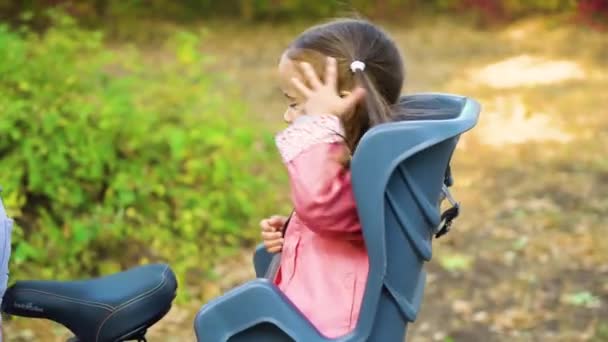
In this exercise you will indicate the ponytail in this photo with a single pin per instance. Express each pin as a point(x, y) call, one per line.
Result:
point(378, 110)
point(372, 111)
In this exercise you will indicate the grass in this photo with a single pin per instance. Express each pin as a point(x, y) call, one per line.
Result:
point(528, 259)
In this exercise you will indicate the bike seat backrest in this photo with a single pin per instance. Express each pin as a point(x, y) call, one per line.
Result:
point(398, 172)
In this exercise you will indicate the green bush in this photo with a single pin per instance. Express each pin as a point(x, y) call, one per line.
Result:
point(111, 159)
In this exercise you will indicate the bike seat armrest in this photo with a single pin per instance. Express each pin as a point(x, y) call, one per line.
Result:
point(261, 260)
point(246, 312)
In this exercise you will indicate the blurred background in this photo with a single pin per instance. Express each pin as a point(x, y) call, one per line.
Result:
point(136, 131)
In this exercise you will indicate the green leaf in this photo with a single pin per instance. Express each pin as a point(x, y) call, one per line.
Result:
point(583, 298)
point(456, 262)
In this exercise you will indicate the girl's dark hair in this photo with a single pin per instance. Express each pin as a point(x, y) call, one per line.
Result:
point(349, 40)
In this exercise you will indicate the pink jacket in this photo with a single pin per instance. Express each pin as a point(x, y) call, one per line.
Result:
point(324, 263)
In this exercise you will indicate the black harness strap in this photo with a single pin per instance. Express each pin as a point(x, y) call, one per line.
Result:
point(448, 216)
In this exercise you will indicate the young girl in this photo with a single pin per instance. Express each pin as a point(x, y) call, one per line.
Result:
point(340, 79)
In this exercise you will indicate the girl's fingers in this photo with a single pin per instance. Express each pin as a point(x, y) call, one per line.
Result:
point(273, 224)
point(353, 99)
point(266, 227)
point(311, 75)
point(277, 221)
point(274, 249)
point(301, 87)
point(331, 73)
point(273, 243)
point(276, 218)
point(273, 235)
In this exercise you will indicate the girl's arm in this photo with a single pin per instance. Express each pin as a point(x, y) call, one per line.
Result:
point(321, 188)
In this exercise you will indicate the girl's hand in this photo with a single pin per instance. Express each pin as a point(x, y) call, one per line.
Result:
point(272, 233)
point(323, 98)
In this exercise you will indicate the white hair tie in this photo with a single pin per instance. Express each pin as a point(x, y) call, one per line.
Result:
point(357, 65)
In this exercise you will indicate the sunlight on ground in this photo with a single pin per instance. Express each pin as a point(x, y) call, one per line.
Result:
point(526, 70)
point(507, 120)
point(525, 29)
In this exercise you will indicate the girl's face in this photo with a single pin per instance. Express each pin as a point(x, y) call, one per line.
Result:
point(288, 70)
